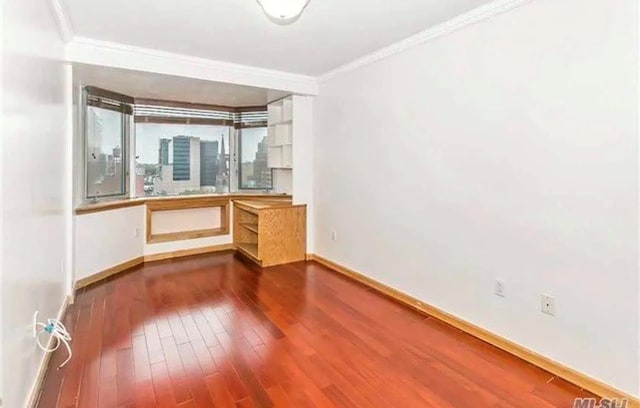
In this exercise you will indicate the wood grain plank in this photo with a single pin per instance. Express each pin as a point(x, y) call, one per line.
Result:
point(177, 374)
point(211, 330)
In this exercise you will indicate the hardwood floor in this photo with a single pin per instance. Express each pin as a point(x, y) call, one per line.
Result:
point(213, 331)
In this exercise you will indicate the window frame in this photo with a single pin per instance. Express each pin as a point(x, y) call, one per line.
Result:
point(124, 138)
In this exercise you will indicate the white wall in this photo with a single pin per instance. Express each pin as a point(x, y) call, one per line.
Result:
point(191, 219)
point(303, 145)
point(508, 149)
point(108, 238)
point(195, 218)
point(79, 185)
point(35, 143)
point(69, 174)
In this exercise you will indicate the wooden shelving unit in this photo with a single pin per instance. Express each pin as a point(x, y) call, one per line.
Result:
point(251, 227)
point(270, 233)
point(249, 249)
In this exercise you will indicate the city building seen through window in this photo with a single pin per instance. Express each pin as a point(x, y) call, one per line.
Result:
point(181, 159)
point(255, 173)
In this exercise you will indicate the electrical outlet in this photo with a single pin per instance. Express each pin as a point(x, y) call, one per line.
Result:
point(499, 288)
point(548, 304)
point(136, 233)
point(334, 236)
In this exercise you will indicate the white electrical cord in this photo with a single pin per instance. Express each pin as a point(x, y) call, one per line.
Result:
point(57, 330)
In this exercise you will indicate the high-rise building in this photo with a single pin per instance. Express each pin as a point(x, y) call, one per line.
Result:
point(261, 170)
point(208, 162)
point(163, 152)
point(181, 158)
point(182, 176)
point(222, 178)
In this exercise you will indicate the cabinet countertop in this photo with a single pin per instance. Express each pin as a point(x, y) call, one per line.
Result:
point(265, 205)
point(106, 205)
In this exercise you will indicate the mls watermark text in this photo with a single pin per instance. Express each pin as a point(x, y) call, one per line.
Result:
point(601, 403)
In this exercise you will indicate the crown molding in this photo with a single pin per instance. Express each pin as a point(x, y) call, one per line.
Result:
point(117, 55)
point(61, 14)
point(473, 16)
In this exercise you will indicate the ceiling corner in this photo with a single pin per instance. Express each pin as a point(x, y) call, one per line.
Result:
point(115, 55)
point(485, 11)
point(61, 15)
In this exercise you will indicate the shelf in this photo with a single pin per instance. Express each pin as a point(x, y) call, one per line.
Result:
point(274, 112)
point(274, 158)
point(251, 227)
point(249, 249)
point(280, 136)
point(280, 111)
point(287, 156)
point(271, 135)
point(287, 109)
point(280, 156)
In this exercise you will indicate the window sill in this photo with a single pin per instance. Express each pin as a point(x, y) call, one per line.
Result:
point(87, 208)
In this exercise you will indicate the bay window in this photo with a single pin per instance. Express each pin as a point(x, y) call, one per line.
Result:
point(144, 148)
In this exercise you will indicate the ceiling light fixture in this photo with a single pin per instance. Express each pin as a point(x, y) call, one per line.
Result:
point(283, 11)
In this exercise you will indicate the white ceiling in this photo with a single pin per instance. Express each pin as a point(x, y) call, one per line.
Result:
point(330, 33)
point(157, 86)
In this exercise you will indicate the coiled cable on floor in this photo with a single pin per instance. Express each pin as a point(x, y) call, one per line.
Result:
point(55, 329)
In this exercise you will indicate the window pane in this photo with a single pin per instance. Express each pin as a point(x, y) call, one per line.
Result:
point(105, 161)
point(254, 170)
point(181, 159)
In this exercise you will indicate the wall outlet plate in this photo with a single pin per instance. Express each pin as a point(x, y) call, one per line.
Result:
point(499, 288)
point(548, 304)
point(334, 236)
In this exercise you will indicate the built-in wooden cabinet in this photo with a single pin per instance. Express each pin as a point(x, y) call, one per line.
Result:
point(270, 233)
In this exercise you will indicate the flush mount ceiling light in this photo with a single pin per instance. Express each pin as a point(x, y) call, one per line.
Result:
point(283, 11)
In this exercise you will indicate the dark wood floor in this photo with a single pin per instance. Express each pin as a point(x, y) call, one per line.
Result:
point(213, 331)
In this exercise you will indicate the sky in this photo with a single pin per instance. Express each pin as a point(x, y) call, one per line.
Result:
point(148, 137)
point(111, 134)
point(251, 138)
